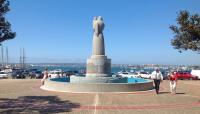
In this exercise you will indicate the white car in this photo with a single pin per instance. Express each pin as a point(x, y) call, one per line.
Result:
point(128, 74)
point(196, 73)
point(143, 74)
point(55, 73)
point(3, 75)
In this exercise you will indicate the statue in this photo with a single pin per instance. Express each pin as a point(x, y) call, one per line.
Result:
point(98, 26)
point(98, 38)
point(98, 65)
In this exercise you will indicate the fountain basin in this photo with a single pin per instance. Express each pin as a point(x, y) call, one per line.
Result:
point(118, 85)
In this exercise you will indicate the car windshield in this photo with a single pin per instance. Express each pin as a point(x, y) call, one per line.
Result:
point(38, 72)
point(124, 73)
point(143, 73)
point(2, 73)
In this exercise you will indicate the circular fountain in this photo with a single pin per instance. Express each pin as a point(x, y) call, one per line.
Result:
point(98, 75)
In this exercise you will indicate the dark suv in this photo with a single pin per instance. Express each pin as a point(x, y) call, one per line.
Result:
point(19, 75)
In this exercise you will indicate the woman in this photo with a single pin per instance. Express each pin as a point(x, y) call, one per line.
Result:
point(45, 76)
point(173, 82)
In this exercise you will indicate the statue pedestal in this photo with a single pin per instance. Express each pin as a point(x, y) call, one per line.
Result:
point(98, 66)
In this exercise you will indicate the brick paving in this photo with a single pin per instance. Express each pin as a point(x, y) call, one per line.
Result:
point(25, 96)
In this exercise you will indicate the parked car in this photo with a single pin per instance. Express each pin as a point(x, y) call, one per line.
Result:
point(185, 75)
point(32, 74)
point(55, 73)
point(196, 73)
point(25, 73)
point(124, 73)
point(3, 75)
point(19, 74)
point(144, 74)
point(69, 73)
point(35, 74)
point(38, 74)
point(165, 75)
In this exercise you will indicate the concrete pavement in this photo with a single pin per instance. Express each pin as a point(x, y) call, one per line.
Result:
point(25, 96)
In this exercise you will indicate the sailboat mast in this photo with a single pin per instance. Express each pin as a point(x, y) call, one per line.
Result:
point(23, 59)
point(2, 55)
point(7, 56)
point(20, 58)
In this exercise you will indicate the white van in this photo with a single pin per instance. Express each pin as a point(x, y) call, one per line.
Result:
point(55, 73)
point(196, 73)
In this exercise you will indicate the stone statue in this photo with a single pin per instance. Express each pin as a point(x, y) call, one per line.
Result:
point(98, 26)
point(98, 38)
point(98, 65)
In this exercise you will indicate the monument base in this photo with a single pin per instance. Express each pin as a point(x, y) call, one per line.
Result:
point(62, 86)
point(98, 66)
point(78, 79)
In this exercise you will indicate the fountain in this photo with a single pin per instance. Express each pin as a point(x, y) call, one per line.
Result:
point(98, 74)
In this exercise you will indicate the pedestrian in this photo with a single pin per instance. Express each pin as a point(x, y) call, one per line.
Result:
point(45, 76)
point(157, 77)
point(173, 82)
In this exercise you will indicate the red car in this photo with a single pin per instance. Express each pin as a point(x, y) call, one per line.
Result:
point(185, 75)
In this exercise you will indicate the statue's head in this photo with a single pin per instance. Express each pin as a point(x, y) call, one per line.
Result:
point(100, 18)
point(95, 18)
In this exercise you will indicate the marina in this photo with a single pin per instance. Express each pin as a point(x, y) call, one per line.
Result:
point(80, 68)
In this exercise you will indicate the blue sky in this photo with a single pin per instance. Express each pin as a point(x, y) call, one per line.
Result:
point(136, 31)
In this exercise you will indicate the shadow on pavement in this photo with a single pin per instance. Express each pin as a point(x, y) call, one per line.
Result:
point(180, 93)
point(164, 92)
point(36, 104)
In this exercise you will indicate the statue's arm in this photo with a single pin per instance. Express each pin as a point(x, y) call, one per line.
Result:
point(96, 29)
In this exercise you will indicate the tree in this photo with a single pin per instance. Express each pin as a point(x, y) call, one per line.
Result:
point(187, 33)
point(5, 26)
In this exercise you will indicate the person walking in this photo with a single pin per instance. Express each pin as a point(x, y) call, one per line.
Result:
point(45, 76)
point(157, 77)
point(173, 82)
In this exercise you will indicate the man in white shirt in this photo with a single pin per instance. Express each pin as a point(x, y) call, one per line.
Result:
point(157, 76)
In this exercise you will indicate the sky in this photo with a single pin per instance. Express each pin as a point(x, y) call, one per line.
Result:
point(60, 31)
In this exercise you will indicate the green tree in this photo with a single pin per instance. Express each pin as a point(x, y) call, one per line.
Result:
point(5, 27)
point(187, 32)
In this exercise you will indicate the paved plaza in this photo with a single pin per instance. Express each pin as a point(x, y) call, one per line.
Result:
point(25, 96)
